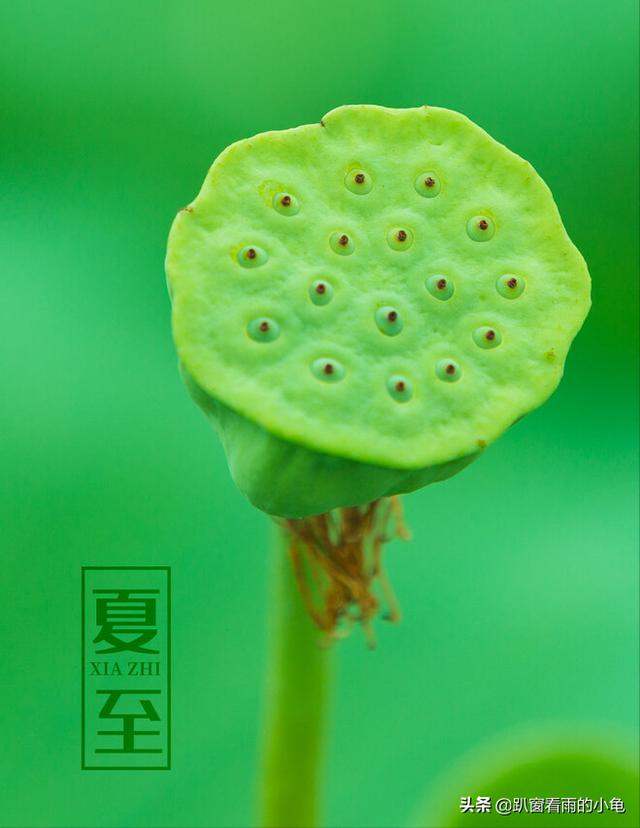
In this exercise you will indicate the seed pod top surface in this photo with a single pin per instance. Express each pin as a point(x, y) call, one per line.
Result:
point(389, 286)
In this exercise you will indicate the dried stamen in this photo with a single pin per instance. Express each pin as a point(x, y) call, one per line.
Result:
point(337, 561)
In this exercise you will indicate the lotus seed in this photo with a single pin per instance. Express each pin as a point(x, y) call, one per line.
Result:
point(388, 321)
point(321, 292)
point(440, 287)
point(263, 329)
point(286, 204)
point(448, 370)
point(400, 238)
point(342, 244)
point(252, 256)
point(510, 286)
point(359, 182)
point(480, 228)
point(486, 337)
point(428, 185)
point(399, 388)
point(328, 370)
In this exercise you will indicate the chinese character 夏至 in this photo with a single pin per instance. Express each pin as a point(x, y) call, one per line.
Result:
point(144, 709)
point(127, 621)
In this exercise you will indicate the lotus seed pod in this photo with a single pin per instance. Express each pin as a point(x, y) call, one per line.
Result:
point(419, 290)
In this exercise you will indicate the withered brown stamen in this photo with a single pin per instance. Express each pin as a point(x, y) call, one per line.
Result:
point(337, 561)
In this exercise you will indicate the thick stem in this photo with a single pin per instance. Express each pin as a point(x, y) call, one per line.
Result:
point(299, 674)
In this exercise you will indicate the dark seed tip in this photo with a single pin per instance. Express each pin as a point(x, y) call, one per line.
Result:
point(264, 326)
point(328, 368)
point(483, 224)
point(359, 178)
point(401, 235)
point(321, 288)
point(450, 369)
point(343, 240)
point(429, 182)
point(285, 201)
point(400, 386)
point(512, 283)
point(441, 284)
point(251, 253)
point(392, 316)
point(490, 335)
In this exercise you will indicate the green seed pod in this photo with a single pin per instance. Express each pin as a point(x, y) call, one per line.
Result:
point(301, 441)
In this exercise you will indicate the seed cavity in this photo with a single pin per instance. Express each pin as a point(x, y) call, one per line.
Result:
point(399, 238)
point(252, 256)
point(389, 321)
point(428, 184)
point(358, 181)
point(486, 337)
point(510, 286)
point(448, 370)
point(263, 329)
point(327, 370)
point(481, 228)
point(285, 204)
point(321, 292)
point(399, 388)
point(440, 286)
point(342, 244)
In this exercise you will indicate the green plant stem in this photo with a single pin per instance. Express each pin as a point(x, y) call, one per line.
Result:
point(299, 675)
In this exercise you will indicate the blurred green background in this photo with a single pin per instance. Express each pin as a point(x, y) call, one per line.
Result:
point(519, 589)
